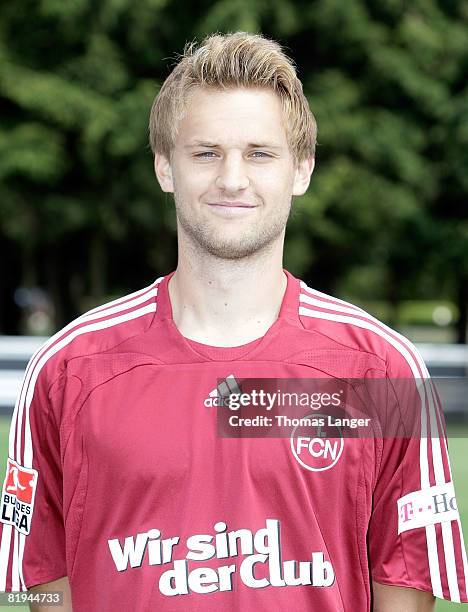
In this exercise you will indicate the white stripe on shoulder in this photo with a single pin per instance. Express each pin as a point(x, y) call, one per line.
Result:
point(125, 298)
point(339, 307)
point(364, 324)
point(328, 298)
point(349, 308)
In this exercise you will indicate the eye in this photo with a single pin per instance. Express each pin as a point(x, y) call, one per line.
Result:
point(261, 154)
point(205, 154)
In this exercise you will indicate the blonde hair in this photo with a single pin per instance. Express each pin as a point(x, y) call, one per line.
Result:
point(223, 61)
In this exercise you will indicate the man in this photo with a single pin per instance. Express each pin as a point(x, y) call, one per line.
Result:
point(136, 502)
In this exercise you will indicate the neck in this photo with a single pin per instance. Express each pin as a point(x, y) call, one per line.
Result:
point(224, 302)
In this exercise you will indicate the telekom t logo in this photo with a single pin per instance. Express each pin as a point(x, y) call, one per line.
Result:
point(406, 512)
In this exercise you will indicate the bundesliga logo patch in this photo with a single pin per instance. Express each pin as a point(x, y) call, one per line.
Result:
point(18, 494)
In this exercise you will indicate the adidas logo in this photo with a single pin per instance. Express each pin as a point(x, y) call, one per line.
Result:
point(217, 396)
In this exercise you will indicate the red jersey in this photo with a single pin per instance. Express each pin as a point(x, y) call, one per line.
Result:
point(117, 476)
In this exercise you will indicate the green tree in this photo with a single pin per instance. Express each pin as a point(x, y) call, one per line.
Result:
point(386, 80)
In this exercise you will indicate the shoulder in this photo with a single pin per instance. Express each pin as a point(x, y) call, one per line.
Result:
point(353, 327)
point(96, 331)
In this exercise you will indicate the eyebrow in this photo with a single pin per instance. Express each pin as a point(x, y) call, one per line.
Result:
point(213, 145)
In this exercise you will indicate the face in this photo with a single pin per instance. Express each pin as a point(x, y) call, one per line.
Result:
point(232, 173)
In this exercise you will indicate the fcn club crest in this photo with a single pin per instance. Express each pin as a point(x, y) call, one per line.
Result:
point(317, 448)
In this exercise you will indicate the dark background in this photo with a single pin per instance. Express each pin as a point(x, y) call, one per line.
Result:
point(384, 224)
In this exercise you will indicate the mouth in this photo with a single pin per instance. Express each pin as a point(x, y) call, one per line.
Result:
point(231, 205)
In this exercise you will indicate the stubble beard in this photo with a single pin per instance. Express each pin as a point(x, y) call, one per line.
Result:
point(206, 237)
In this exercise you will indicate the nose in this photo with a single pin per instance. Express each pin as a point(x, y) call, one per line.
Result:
point(232, 175)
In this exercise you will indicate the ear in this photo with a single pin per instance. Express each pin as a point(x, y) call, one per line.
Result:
point(302, 176)
point(163, 170)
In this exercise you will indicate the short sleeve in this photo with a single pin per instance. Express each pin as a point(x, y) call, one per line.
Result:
point(415, 536)
point(32, 544)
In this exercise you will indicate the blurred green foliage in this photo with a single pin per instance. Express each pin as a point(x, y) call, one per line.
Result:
point(385, 215)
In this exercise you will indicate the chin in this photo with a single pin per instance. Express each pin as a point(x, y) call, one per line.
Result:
point(237, 250)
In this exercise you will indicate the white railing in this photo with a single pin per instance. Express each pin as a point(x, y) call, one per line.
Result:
point(15, 352)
